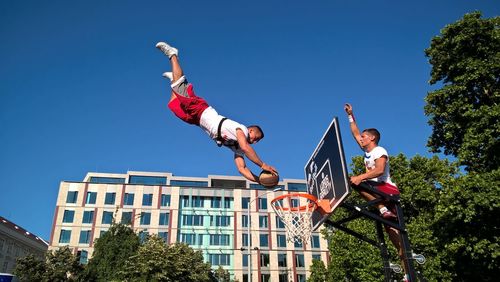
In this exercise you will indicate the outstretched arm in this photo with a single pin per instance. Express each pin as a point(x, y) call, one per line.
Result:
point(250, 152)
point(243, 169)
point(352, 122)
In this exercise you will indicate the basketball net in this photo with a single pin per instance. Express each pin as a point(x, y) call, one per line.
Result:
point(296, 215)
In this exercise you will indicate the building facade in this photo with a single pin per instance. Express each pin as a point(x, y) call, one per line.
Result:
point(17, 242)
point(209, 214)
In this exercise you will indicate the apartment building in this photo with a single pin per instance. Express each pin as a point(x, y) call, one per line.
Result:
point(17, 242)
point(210, 214)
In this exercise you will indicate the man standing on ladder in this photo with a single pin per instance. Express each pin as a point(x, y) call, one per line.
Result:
point(377, 176)
point(225, 132)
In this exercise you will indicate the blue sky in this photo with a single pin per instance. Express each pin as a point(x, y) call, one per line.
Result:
point(81, 87)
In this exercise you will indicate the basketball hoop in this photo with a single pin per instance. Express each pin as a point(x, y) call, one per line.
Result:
point(295, 210)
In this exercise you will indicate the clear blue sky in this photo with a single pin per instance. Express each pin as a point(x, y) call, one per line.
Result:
point(81, 87)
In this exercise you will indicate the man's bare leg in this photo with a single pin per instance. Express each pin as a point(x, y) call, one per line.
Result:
point(395, 238)
point(172, 54)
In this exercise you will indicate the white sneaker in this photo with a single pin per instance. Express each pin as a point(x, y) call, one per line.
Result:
point(168, 50)
point(168, 75)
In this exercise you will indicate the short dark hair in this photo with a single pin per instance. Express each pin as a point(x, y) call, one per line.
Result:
point(374, 132)
point(259, 129)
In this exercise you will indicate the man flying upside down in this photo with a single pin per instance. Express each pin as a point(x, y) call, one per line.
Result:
point(195, 110)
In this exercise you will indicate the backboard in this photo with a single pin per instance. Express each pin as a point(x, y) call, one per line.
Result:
point(326, 172)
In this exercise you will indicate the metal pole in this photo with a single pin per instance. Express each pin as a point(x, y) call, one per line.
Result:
point(249, 236)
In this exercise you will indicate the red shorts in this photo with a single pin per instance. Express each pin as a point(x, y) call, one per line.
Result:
point(189, 109)
point(387, 188)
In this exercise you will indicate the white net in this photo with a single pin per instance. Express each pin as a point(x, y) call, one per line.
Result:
point(295, 211)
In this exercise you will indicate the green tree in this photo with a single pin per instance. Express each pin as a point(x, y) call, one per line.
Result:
point(186, 264)
point(157, 261)
point(318, 272)
point(467, 225)
point(465, 111)
point(59, 265)
point(149, 263)
point(111, 251)
point(222, 275)
point(30, 269)
point(62, 265)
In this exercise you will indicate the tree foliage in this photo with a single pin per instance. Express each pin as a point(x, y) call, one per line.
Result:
point(111, 251)
point(465, 111)
point(222, 275)
point(59, 265)
point(157, 261)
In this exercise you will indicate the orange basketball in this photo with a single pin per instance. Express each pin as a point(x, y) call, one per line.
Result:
point(267, 179)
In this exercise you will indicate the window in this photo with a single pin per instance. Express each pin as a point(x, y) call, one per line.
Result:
point(244, 221)
point(245, 202)
point(219, 239)
point(298, 245)
point(281, 240)
point(83, 255)
point(84, 237)
point(263, 221)
point(147, 200)
point(68, 216)
point(219, 259)
point(185, 201)
point(128, 199)
point(264, 260)
point(200, 239)
point(228, 202)
point(163, 235)
point(102, 233)
point(65, 236)
point(107, 217)
point(299, 260)
point(107, 180)
point(215, 202)
point(301, 278)
point(264, 240)
point(315, 241)
point(220, 220)
point(294, 203)
point(283, 277)
point(198, 201)
point(164, 216)
point(244, 239)
point(71, 197)
point(88, 217)
point(245, 259)
point(110, 198)
point(188, 238)
point(91, 196)
point(282, 260)
point(185, 183)
point(126, 217)
point(265, 277)
point(145, 218)
point(316, 256)
point(263, 203)
point(143, 235)
point(297, 187)
point(165, 200)
point(192, 220)
point(147, 180)
point(279, 222)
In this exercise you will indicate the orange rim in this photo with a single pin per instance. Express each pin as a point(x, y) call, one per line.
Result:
point(313, 203)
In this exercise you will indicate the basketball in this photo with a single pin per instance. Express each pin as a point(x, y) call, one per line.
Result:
point(267, 179)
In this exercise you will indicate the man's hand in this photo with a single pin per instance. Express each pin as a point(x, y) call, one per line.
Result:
point(348, 108)
point(356, 180)
point(269, 168)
